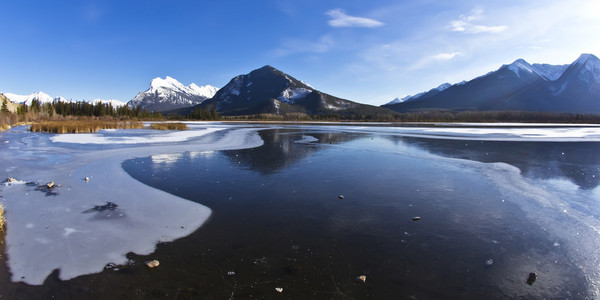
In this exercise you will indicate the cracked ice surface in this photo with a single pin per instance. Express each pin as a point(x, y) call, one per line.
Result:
point(61, 230)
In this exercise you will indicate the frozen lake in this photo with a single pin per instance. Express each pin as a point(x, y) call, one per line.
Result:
point(238, 210)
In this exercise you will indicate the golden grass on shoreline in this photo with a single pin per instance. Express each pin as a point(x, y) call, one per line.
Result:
point(83, 126)
point(2, 219)
point(169, 126)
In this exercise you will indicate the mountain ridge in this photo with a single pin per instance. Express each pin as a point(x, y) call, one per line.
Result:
point(269, 90)
point(168, 94)
point(520, 86)
point(45, 98)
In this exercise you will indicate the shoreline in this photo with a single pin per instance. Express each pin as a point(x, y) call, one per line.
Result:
point(56, 219)
point(108, 178)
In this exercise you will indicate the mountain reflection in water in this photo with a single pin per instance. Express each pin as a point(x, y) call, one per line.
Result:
point(277, 218)
point(281, 149)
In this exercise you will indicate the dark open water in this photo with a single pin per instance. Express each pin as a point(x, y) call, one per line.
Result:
point(277, 222)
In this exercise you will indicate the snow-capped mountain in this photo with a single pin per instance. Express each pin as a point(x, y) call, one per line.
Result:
point(268, 90)
point(45, 98)
point(27, 99)
point(549, 72)
point(168, 93)
point(12, 107)
point(433, 91)
point(398, 100)
point(113, 102)
point(521, 86)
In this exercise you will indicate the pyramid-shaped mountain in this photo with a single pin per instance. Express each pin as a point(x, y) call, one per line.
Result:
point(268, 90)
point(521, 86)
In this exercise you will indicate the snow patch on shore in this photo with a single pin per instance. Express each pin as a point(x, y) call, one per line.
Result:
point(72, 228)
point(158, 137)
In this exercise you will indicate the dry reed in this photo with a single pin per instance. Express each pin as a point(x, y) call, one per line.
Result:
point(169, 126)
point(83, 126)
point(2, 219)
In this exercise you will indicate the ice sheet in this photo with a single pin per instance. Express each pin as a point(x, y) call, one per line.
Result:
point(547, 133)
point(576, 227)
point(471, 131)
point(66, 228)
point(155, 137)
point(47, 232)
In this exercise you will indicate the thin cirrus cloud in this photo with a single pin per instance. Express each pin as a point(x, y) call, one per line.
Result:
point(444, 56)
point(339, 18)
point(434, 58)
point(294, 46)
point(466, 24)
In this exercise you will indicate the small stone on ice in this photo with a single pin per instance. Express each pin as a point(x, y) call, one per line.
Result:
point(231, 273)
point(416, 218)
point(87, 179)
point(341, 196)
point(152, 263)
point(361, 278)
point(489, 262)
point(279, 290)
point(532, 278)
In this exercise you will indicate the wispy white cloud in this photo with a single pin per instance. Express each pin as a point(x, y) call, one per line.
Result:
point(444, 56)
point(339, 18)
point(466, 24)
point(440, 57)
point(294, 46)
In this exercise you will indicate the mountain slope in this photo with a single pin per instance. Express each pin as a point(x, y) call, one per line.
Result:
point(27, 99)
point(521, 86)
point(45, 98)
point(429, 93)
point(579, 85)
point(10, 106)
point(268, 90)
point(168, 93)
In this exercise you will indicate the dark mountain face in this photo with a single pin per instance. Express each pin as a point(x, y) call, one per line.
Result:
point(268, 90)
point(579, 85)
point(520, 87)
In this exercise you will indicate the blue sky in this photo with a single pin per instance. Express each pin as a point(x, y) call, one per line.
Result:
point(365, 51)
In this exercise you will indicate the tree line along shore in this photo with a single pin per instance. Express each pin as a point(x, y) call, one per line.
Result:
point(84, 117)
point(73, 117)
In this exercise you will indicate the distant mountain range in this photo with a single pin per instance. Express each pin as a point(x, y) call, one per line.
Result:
point(168, 94)
point(438, 89)
point(519, 86)
point(268, 90)
point(45, 98)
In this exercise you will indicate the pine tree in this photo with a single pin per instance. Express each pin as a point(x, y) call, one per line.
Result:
point(4, 106)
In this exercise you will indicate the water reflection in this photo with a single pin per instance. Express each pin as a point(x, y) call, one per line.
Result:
point(277, 218)
point(579, 162)
point(575, 161)
point(166, 159)
point(280, 149)
point(161, 160)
